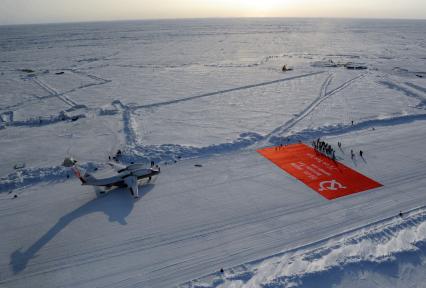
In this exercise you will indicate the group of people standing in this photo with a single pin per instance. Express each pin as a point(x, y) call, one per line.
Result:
point(353, 154)
point(324, 148)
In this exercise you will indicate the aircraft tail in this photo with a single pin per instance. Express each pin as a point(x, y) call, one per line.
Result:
point(79, 176)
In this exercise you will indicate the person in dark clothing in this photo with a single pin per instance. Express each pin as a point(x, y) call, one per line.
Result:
point(116, 157)
point(360, 153)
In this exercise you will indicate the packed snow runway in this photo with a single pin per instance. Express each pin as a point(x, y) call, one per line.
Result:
point(195, 220)
point(200, 104)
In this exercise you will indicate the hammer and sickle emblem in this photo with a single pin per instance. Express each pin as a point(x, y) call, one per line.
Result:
point(332, 185)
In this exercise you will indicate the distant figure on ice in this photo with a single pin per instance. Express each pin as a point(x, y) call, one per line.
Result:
point(360, 153)
point(352, 154)
point(339, 144)
point(285, 68)
point(352, 123)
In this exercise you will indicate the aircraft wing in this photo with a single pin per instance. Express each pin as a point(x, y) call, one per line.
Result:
point(132, 183)
point(116, 166)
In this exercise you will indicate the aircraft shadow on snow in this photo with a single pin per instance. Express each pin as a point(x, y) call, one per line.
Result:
point(116, 205)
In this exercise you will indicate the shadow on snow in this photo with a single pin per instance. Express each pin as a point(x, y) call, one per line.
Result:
point(116, 205)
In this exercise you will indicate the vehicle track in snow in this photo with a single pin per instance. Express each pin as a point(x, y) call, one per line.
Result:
point(403, 88)
point(100, 80)
point(221, 92)
point(53, 93)
point(44, 120)
point(308, 110)
point(131, 135)
point(169, 152)
point(416, 87)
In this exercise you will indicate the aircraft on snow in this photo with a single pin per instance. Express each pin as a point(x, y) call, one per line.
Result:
point(126, 176)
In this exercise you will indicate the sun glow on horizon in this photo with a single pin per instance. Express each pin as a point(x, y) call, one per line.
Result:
point(262, 7)
point(247, 8)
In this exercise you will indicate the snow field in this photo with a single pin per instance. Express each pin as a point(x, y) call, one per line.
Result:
point(209, 93)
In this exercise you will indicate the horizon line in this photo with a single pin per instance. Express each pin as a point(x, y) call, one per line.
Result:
point(210, 18)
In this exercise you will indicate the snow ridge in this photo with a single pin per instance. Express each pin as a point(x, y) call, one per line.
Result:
point(31, 176)
point(251, 140)
point(338, 129)
point(379, 242)
point(172, 152)
point(168, 153)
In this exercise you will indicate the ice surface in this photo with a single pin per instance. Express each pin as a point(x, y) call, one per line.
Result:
point(213, 91)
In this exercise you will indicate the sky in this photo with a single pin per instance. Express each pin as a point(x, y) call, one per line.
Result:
point(47, 11)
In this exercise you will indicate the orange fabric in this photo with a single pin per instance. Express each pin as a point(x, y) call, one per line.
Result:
point(329, 178)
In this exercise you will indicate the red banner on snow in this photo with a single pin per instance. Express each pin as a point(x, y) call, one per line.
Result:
point(329, 178)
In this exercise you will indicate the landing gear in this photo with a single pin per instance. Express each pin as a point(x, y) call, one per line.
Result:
point(100, 192)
